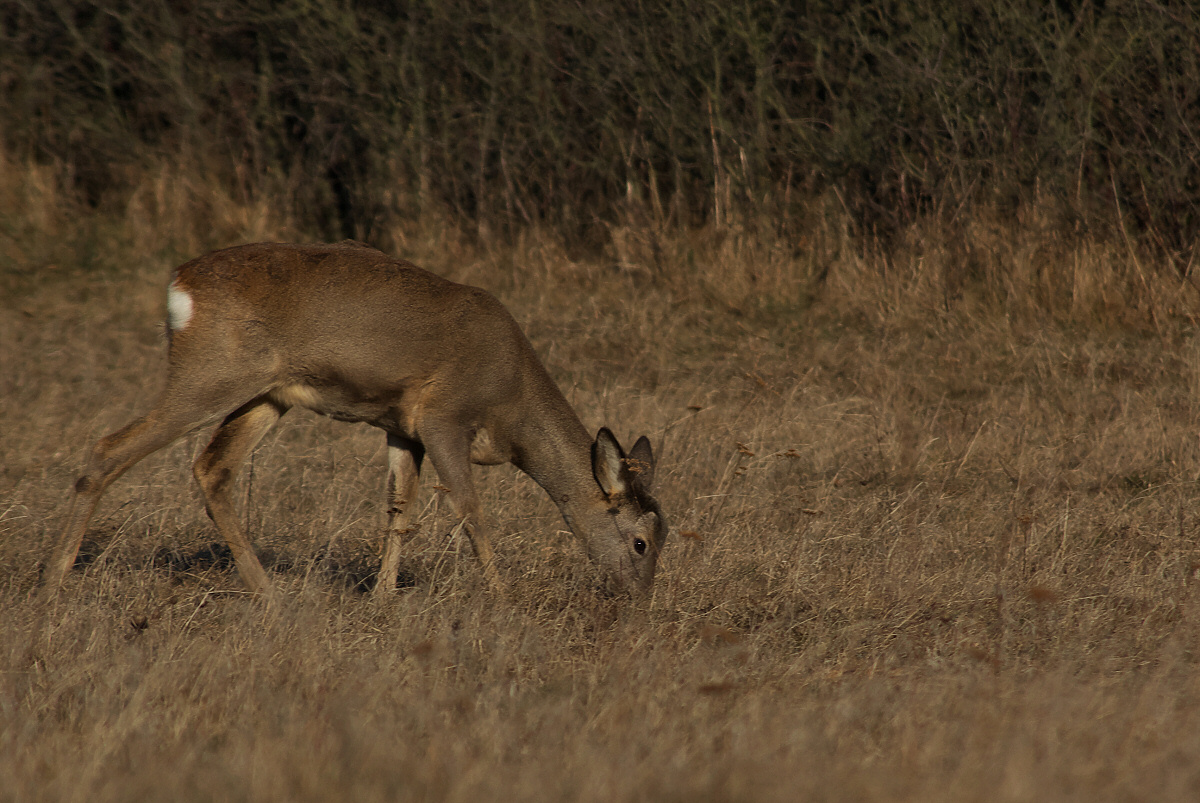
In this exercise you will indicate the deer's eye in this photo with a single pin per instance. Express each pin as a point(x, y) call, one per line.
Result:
point(639, 546)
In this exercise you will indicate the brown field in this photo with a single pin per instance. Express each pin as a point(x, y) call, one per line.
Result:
point(934, 534)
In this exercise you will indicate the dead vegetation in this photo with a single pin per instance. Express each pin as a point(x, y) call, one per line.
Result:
point(935, 516)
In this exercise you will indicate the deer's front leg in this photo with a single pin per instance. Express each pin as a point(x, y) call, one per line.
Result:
point(449, 449)
point(404, 473)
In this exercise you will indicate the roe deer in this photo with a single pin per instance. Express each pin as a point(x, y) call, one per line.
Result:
point(357, 335)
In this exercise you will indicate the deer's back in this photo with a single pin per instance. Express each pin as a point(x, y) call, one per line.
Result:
point(350, 315)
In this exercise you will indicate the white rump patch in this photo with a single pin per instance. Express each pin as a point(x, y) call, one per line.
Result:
point(179, 307)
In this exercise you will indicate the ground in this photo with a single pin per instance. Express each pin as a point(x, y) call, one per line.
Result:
point(924, 547)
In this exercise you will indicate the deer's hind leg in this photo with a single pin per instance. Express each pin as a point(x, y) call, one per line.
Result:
point(175, 415)
point(216, 470)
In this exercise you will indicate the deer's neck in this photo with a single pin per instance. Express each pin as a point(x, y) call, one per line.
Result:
point(555, 450)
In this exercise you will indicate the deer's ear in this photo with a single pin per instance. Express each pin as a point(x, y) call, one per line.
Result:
point(607, 463)
point(641, 463)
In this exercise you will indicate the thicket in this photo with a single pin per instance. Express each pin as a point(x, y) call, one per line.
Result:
point(354, 113)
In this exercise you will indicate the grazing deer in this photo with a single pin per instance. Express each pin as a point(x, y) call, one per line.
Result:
point(354, 334)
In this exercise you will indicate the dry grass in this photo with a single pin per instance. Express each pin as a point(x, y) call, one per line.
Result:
point(936, 538)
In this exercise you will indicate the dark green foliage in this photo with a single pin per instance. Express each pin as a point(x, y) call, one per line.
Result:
point(354, 112)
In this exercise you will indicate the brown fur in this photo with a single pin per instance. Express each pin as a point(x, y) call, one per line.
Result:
point(352, 333)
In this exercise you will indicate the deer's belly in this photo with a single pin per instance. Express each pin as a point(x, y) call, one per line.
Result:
point(341, 404)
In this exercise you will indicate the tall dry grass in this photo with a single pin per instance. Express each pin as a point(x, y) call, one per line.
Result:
point(934, 512)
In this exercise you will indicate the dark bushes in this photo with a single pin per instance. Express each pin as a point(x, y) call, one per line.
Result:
point(353, 112)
